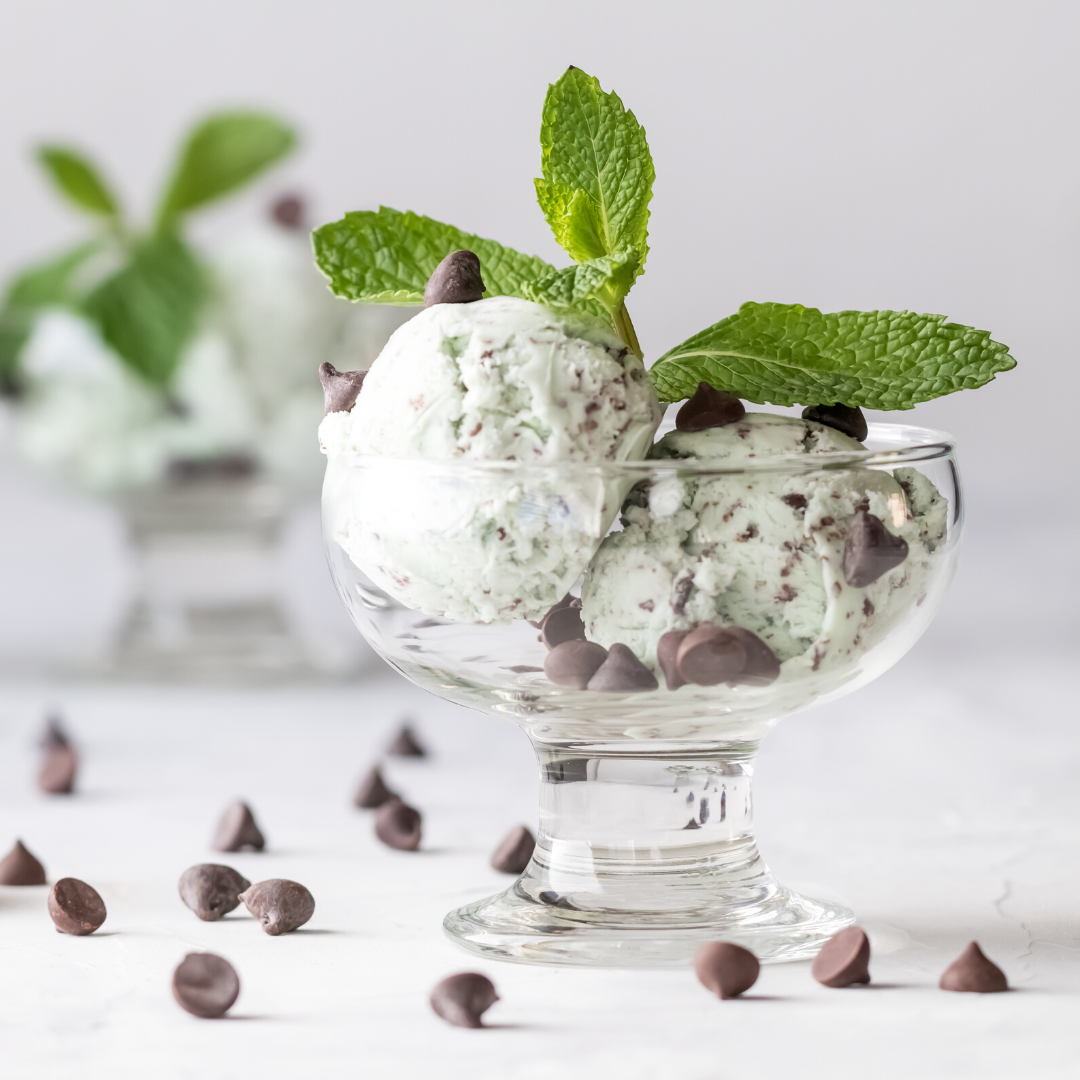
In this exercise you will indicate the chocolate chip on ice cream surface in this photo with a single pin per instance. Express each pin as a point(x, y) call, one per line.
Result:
point(870, 550)
point(456, 280)
point(19, 867)
point(340, 388)
point(709, 408)
point(406, 744)
point(844, 959)
point(971, 972)
point(205, 985)
point(762, 665)
point(514, 851)
point(212, 890)
point(398, 825)
point(726, 969)
point(843, 418)
point(238, 831)
point(75, 907)
point(281, 906)
point(667, 651)
point(710, 655)
point(623, 672)
point(372, 791)
point(464, 998)
point(573, 663)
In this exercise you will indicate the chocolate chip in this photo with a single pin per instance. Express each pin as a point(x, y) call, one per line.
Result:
point(456, 280)
point(726, 969)
point(710, 655)
point(795, 501)
point(870, 550)
point(562, 625)
point(848, 421)
point(340, 388)
point(212, 890)
point(75, 907)
point(206, 985)
point(58, 771)
point(972, 972)
point(397, 825)
point(709, 408)
point(680, 592)
point(237, 830)
point(762, 665)
point(279, 905)
point(844, 959)
point(622, 671)
point(573, 663)
point(288, 211)
point(554, 899)
point(667, 649)
point(462, 999)
point(19, 867)
point(406, 744)
point(372, 792)
point(514, 852)
point(54, 735)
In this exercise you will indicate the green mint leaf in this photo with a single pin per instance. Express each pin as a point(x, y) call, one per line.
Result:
point(787, 354)
point(590, 144)
point(223, 153)
point(148, 310)
point(606, 280)
point(76, 178)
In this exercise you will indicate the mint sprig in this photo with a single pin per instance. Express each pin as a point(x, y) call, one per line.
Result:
point(606, 279)
point(79, 180)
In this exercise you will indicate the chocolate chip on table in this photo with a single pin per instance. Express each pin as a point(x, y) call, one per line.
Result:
point(573, 663)
point(726, 969)
point(237, 830)
point(19, 867)
point(398, 825)
point(372, 791)
point(971, 972)
point(280, 906)
point(75, 907)
point(709, 408)
point(843, 418)
point(462, 999)
point(514, 851)
point(58, 770)
point(406, 744)
point(562, 625)
point(667, 650)
point(212, 890)
point(340, 388)
point(55, 734)
point(870, 550)
point(844, 959)
point(205, 985)
point(456, 280)
point(288, 211)
point(622, 671)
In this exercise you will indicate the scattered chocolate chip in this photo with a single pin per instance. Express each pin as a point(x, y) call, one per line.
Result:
point(514, 852)
point(237, 830)
point(372, 792)
point(691, 824)
point(462, 999)
point(972, 972)
point(55, 734)
point(75, 907)
point(726, 969)
point(573, 663)
point(562, 625)
point(280, 906)
point(709, 408)
point(19, 867)
point(622, 671)
point(762, 665)
point(456, 280)
point(288, 211)
point(206, 985)
point(397, 825)
point(709, 655)
point(844, 959)
point(848, 421)
point(340, 388)
point(667, 650)
point(212, 890)
point(406, 744)
point(870, 550)
point(58, 770)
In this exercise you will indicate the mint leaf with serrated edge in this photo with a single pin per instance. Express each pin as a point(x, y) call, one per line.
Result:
point(787, 354)
point(78, 179)
point(606, 279)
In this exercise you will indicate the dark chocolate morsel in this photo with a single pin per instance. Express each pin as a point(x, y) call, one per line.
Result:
point(406, 744)
point(667, 650)
point(372, 792)
point(462, 999)
point(58, 770)
point(844, 959)
point(514, 852)
point(206, 985)
point(710, 655)
point(870, 550)
point(725, 968)
point(397, 825)
point(622, 671)
point(280, 906)
point(75, 907)
point(562, 625)
point(554, 899)
point(19, 867)
point(762, 666)
point(848, 421)
point(573, 663)
point(288, 211)
point(55, 734)
point(972, 972)
point(237, 830)
point(340, 388)
point(709, 408)
point(212, 890)
point(456, 280)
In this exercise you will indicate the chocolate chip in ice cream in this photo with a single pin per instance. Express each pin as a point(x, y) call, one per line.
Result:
point(562, 625)
point(406, 744)
point(667, 651)
point(843, 418)
point(456, 280)
point(514, 852)
point(19, 867)
point(726, 969)
point(710, 655)
point(212, 890)
point(340, 388)
point(622, 671)
point(971, 972)
point(762, 665)
point(573, 663)
point(372, 791)
point(281, 906)
point(75, 907)
point(205, 985)
point(870, 550)
point(709, 408)
point(58, 770)
point(237, 830)
point(462, 999)
point(398, 825)
point(844, 959)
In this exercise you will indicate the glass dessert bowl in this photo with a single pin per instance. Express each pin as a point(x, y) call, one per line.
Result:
point(754, 585)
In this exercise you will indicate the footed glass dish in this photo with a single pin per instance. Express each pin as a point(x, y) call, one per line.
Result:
point(645, 845)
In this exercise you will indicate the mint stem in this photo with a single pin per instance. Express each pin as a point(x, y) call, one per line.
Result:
point(626, 331)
